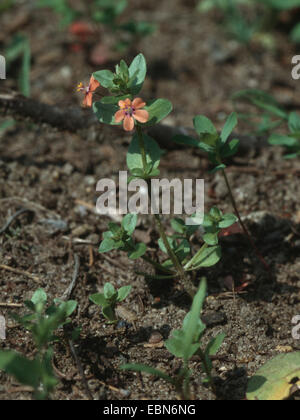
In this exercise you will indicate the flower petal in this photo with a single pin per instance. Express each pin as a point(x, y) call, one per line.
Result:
point(141, 115)
point(119, 116)
point(138, 103)
point(88, 100)
point(94, 84)
point(128, 123)
point(121, 104)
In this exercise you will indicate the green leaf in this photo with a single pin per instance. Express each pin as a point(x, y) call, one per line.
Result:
point(227, 221)
point(211, 238)
point(183, 343)
point(218, 168)
point(229, 126)
point(216, 214)
point(178, 225)
point(106, 112)
point(161, 244)
point(262, 100)
point(134, 157)
point(137, 74)
point(203, 125)
point(98, 299)
point(109, 291)
point(282, 140)
point(215, 344)
point(105, 78)
point(274, 381)
point(209, 136)
point(158, 110)
point(183, 249)
point(69, 307)
point(107, 245)
point(123, 292)
point(209, 257)
point(295, 34)
point(148, 369)
point(109, 313)
point(176, 345)
point(129, 222)
point(140, 250)
point(114, 99)
point(39, 297)
point(230, 149)
point(26, 371)
point(294, 122)
point(292, 155)
point(186, 140)
point(30, 305)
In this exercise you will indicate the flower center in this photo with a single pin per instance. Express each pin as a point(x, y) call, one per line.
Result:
point(129, 110)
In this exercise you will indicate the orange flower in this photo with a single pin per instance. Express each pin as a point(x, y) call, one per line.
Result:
point(130, 111)
point(88, 91)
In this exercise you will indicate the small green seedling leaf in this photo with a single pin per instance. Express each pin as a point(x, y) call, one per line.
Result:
point(107, 245)
point(215, 344)
point(26, 371)
point(230, 149)
point(294, 122)
point(283, 140)
point(184, 343)
point(229, 126)
point(207, 258)
point(227, 221)
point(138, 252)
point(129, 222)
point(109, 313)
point(98, 299)
point(211, 238)
point(109, 291)
point(149, 370)
point(186, 140)
point(39, 297)
point(123, 292)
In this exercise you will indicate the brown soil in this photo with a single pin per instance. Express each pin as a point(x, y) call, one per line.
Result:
point(52, 173)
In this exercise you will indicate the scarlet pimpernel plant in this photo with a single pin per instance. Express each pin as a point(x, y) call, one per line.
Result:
point(126, 106)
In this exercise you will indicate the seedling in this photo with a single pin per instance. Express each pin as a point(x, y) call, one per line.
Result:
point(42, 321)
point(273, 117)
point(219, 147)
point(184, 344)
point(109, 299)
point(263, 19)
point(19, 48)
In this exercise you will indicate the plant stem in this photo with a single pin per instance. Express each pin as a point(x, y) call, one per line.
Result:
point(157, 265)
point(233, 202)
point(171, 253)
point(142, 146)
point(207, 370)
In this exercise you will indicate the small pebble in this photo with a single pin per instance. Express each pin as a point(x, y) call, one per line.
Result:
point(155, 337)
